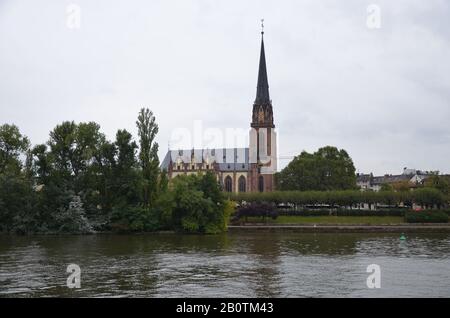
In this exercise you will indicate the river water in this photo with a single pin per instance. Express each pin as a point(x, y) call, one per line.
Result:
point(237, 264)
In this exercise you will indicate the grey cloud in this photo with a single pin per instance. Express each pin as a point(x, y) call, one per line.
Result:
point(384, 95)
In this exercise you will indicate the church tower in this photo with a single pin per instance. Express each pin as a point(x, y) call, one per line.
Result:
point(262, 148)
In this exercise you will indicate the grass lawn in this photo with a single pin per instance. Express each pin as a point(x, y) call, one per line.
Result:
point(372, 220)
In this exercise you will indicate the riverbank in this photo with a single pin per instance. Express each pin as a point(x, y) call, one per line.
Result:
point(344, 228)
point(330, 219)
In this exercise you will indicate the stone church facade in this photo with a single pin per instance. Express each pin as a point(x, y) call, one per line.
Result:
point(238, 169)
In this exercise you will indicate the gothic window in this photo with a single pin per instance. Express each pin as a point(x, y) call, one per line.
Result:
point(228, 184)
point(242, 184)
point(261, 116)
point(261, 184)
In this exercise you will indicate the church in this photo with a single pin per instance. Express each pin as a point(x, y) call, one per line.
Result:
point(249, 169)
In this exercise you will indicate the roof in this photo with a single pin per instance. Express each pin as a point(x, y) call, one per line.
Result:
point(363, 177)
point(262, 90)
point(391, 179)
point(226, 158)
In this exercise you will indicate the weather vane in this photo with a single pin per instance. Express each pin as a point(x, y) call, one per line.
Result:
point(262, 26)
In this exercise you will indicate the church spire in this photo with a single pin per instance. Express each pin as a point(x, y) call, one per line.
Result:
point(262, 91)
point(262, 107)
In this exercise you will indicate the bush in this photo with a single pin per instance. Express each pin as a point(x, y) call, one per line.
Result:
point(256, 209)
point(426, 217)
point(73, 219)
point(133, 219)
point(198, 205)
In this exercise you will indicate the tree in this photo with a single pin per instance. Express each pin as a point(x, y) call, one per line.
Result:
point(125, 175)
point(386, 187)
point(82, 161)
point(62, 147)
point(402, 186)
point(18, 211)
point(42, 163)
point(72, 219)
point(12, 145)
point(148, 154)
point(442, 183)
point(196, 208)
point(163, 182)
point(326, 169)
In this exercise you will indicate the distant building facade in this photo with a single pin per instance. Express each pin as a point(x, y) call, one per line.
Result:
point(411, 176)
point(238, 169)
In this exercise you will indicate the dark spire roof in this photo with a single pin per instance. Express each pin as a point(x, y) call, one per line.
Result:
point(262, 90)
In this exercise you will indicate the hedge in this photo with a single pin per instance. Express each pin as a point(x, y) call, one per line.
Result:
point(426, 217)
point(256, 210)
point(345, 212)
point(426, 197)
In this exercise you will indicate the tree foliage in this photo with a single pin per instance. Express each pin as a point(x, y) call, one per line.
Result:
point(199, 205)
point(12, 145)
point(80, 182)
point(425, 197)
point(148, 154)
point(326, 169)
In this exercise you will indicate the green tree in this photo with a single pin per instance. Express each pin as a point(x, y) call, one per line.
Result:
point(386, 187)
point(42, 163)
point(441, 183)
point(82, 161)
point(163, 182)
point(18, 202)
point(126, 178)
point(72, 219)
point(62, 146)
point(196, 208)
point(148, 154)
point(326, 169)
point(12, 145)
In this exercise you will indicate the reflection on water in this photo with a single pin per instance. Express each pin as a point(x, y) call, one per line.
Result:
point(232, 265)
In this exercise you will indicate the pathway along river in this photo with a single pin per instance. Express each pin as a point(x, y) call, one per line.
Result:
point(237, 264)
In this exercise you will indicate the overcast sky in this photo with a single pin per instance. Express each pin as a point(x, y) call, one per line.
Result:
point(383, 94)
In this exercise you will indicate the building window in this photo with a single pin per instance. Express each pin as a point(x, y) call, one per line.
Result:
point(242, 184)
point(193, 167)
point(207, 167)
point(261, 184)
point(228, 184)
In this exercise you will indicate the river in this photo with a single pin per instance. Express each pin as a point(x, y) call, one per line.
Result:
point(237, 264)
